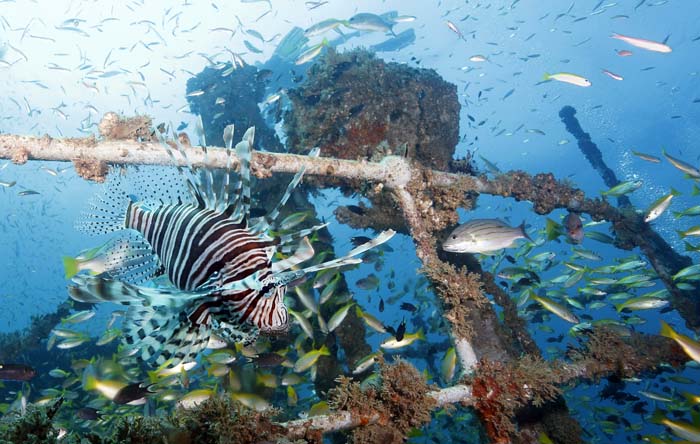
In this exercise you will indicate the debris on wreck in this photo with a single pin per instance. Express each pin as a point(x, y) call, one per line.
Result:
point(350, 127)
point(424, 239)
point(401, 401)
point(116, 127)
point(356, 106)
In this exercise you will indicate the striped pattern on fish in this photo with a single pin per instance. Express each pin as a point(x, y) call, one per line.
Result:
point(483, 236)
point(193, 243)
point(221, 278)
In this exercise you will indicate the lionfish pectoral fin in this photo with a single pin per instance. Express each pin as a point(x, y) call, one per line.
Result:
point(108, 210)
point(165, 335)
point(94, 289)
point(231, 333)
point(131, 260)
point(286, 242)
point(303, 253)
point(350, 258)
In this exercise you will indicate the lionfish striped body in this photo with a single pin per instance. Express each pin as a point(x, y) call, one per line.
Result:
point(219, 267)
point(194, 244)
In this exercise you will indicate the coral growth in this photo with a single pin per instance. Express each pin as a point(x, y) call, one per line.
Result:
point(382, 215)
point(13, 344)
point(437, 206)
point(141, 430)
point(400, 401)
point(458, 289)
point(116, 127)
point(603, 351)
point(543, 190)
point(353, 104)
point(215, 421)
point(501, 389)
point(514, 326)
point(219, 420)
point(34, 427)
point(20, 156)
point(95, 170)
point(560, 426)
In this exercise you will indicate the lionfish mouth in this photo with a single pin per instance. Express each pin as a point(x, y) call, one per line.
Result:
point(189, 260)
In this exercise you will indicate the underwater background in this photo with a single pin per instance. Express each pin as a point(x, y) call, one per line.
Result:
point(477, 71)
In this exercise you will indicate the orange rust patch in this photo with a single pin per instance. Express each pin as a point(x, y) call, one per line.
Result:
point(366, 134)
point(20, 156)
point(95, 170)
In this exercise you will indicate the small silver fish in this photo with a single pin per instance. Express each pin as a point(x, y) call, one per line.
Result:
point(483, 236)
point(365, 21)
point(322, 27)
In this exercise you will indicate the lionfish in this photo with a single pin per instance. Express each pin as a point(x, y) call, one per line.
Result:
point(192, 264)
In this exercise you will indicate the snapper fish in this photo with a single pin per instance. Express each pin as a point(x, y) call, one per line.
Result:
point(649, 45)
point(365, 21)
point(483, 236)
point(212, 269)
point(16, 372)
point(574, 227)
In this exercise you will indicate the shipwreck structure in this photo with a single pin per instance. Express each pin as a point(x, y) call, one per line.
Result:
point(396, 150)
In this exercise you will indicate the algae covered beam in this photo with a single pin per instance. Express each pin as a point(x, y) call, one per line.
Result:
point(631, 231)
point(498, 389)
point(347, 420)
point(392, 171)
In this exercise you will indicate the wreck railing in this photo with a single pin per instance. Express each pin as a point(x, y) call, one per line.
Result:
point(409, 184)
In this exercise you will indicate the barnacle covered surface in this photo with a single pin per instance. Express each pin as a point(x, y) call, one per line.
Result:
point(353, 104)
point(400, 401)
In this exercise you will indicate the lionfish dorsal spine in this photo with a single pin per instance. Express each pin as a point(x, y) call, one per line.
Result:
point(186, 172)
point(226, 182)
point(206, 176)
point(287, 242)
point(244, 153)
point(269, 220)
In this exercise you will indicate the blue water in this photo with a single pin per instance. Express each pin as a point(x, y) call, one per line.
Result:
point(136, 57)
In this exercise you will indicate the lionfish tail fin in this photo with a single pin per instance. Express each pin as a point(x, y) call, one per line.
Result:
point(108, 210)
point(351, 258)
